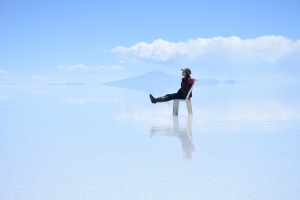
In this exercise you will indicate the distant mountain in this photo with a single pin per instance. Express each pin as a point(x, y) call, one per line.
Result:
point(150, 81)
point(230, 82)
point(160, 81)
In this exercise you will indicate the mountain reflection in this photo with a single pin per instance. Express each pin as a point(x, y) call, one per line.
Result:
point(161, 82)
point(184, 134)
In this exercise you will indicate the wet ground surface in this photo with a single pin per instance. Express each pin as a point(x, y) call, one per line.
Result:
point(68, 144)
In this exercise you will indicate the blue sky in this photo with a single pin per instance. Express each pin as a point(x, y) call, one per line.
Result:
point(38, 37)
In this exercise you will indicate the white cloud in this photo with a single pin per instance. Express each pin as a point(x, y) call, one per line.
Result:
point(3, 98)
point(4, 71)
point(275, 81)
point(61, 66)
point(252, 111)
point(262, 49)
point(81, 67)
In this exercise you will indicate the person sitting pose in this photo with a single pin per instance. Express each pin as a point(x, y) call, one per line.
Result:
point(186, 85)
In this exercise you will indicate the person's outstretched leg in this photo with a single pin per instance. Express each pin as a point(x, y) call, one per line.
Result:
point(159, 99)
point(167, 97)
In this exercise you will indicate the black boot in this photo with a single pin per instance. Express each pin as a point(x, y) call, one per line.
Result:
point(162, 99)
point(159, 99)
point(153, 100)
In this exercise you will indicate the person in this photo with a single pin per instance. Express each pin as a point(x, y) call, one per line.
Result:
point(186, 84)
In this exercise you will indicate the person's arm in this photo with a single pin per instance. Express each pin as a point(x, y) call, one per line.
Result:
point(191, 80)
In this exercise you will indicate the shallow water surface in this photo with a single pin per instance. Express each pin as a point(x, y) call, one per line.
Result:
point(61, 143)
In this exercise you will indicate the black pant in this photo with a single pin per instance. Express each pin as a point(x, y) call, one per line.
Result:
point(178, 95)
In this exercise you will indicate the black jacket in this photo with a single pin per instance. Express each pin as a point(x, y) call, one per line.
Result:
point(185, 87)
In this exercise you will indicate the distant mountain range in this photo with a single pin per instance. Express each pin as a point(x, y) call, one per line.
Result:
point(160, 81)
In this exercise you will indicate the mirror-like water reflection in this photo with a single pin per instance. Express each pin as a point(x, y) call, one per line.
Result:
point(59, 142)
point(184, 134)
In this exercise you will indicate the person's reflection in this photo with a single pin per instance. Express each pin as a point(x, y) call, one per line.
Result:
point(184, 134)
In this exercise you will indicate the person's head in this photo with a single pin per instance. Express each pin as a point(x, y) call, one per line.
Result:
point(186, 72)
